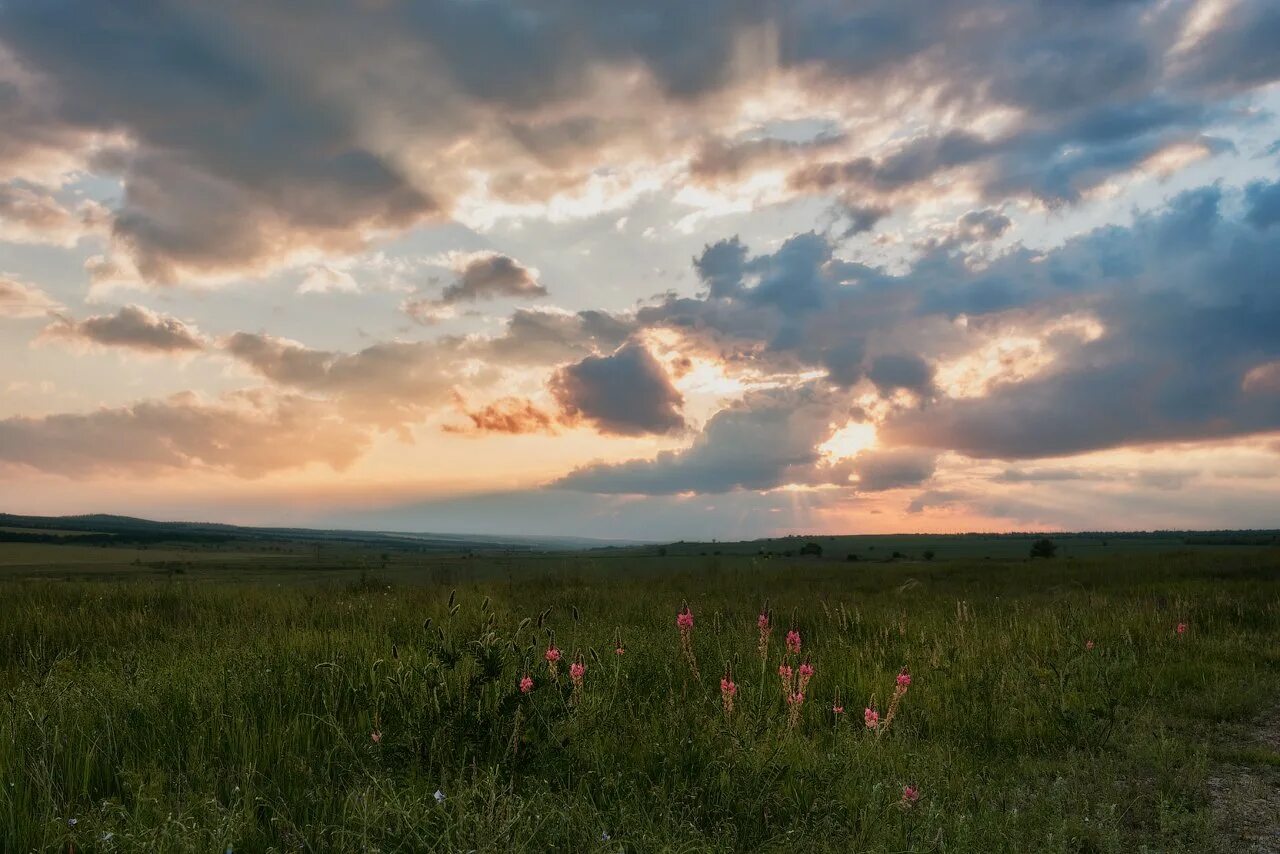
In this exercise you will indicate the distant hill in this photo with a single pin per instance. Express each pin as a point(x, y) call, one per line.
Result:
point(102, 528)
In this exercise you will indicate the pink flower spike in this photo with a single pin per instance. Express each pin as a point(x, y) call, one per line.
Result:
point(806, 670)
point(793, 642)
point(1181, 629)
point(619, 651)
point(838, 709)
point(553, 654)
point(910, 794)
point(1088, 644)
point(577, 670)
point(904, 680)
point(871, 718)
point(784, 670)
point(728, 687)
point(376, 736)
point(526, 684)
point(762, 622)
point(685, 619)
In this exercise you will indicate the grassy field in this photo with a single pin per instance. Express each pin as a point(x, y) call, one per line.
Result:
point(323, 709)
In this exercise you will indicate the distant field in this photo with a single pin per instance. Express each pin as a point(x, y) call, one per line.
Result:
point(12, 529)
point(944, 547)
point(319, 700)
point(47, 555)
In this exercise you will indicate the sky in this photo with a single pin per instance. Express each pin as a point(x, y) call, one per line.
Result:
point(672, 269)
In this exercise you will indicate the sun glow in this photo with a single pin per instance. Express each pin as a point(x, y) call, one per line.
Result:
point(849, 440)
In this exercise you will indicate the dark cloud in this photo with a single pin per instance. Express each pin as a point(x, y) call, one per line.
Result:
point(937, 499)
point(133, 327)
point(535, 337)
point(1238, 52)
point(243, 141)
point(767, 440)
point(982, 225)
point(893, 468)
point(859, 218)
point(901, 371)
point(1054, 164)
point(1189, 307)
point(719, 159)
point(626, 393)
point(1263, 202)
point(483, 276)
point(490, 277)
point(246, 435)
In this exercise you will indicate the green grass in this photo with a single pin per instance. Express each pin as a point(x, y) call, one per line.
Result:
point(176, 714)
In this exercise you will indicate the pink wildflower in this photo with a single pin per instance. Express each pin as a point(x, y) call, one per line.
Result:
point(910, 794)
point(728, 690)
point(762, 623)
point(1088, 644)
point(838, 709)
point(684, 621)
point(376, 736)
point(795, 701)
point(552, 654)
point(1181, 629)
point(904, 681)
point(806, 673)
point(526, 684)
point(871, 718)
point(619, 651)
point(793, 642)
point(577, 670)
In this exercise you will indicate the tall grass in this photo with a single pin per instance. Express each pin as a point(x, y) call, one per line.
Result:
point(188, 716)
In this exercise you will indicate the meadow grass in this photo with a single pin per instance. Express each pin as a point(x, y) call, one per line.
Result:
point(174, 714)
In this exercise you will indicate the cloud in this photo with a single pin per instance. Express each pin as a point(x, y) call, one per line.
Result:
point(626, 393)
point(550, 336)
point(389, 383)
point(937, 499)
point(1263, 202)
point(32, 215)
point(325, 279)
point(901, 371)
point(132, 327)
point(490, 276)
point(982, 225)
point(859, 218)
point(510, 415)
point(718, 159)
point(18, 301)
point(896, 468)
point(244, 144)
point(244, 434)
point(1263, 379)
point(767, 440)
point(1041, 475)
point(481, 276)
